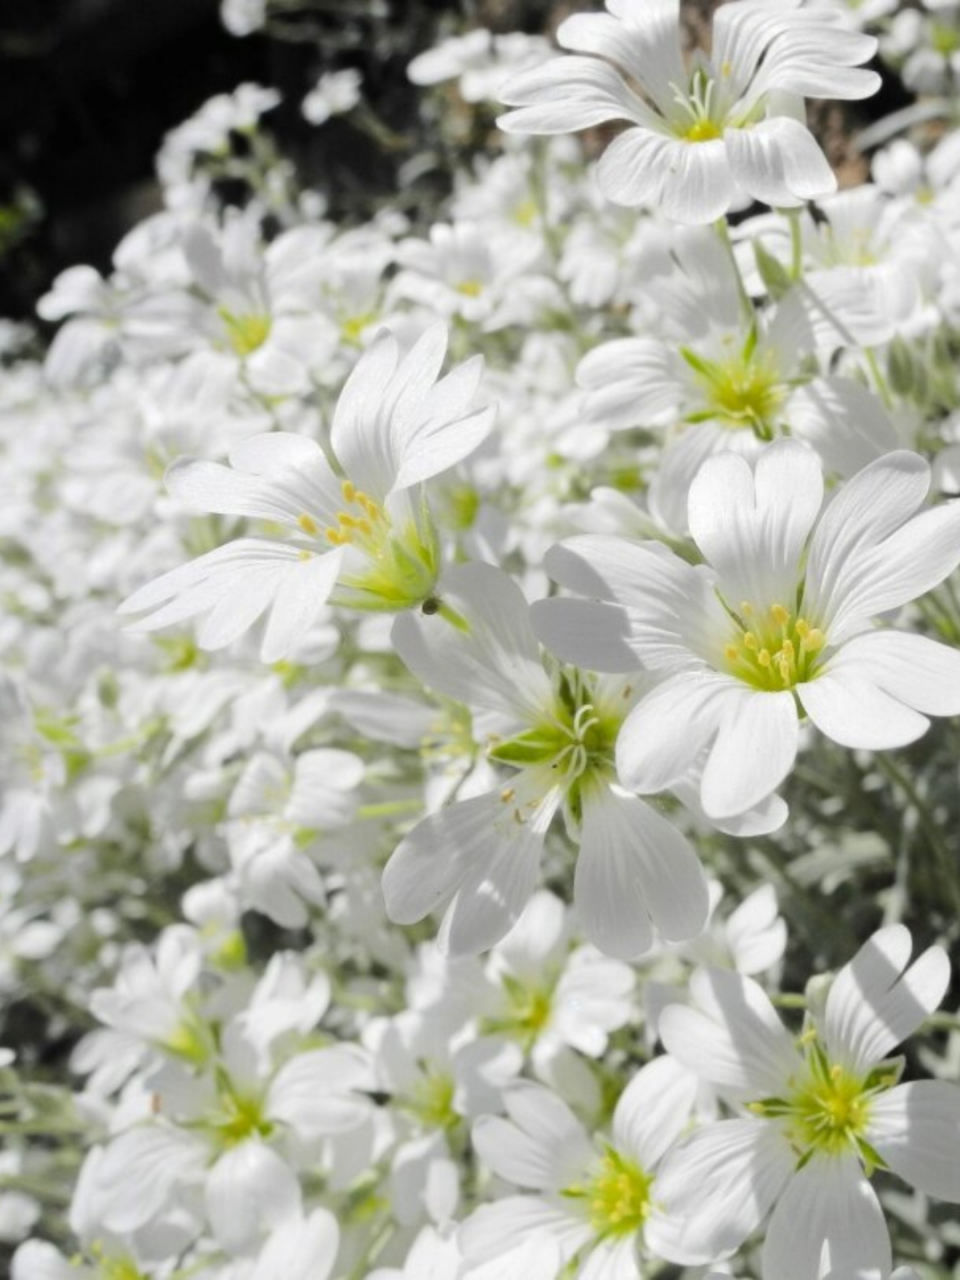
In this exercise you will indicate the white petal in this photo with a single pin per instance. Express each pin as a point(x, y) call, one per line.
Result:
point(508, 1224)
point(668, 730)
point(847, 707)
point(779, 162)
point(317, 1093)
point(542, 1147)
point(303, 1250)
point(634, 867)
point(867, 509)
point(654, 1110)
point(476, 851)
point(916, 1129)
point(828, 1219)
point(140, 1170)
point(734, 1038)
point(716, 1189)
point(876, 1001)
point(249, 1191)
point(566, 94)
point(752, 526)
point(496, 664)
point(688, 183)
point(918, 672)
point(754, 751)
point(587, 633)
point(304, 591)
point(645, 42)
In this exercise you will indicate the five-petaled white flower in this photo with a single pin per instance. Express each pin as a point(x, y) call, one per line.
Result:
point(556, 731)
point(364, 539)
point(706, 132)
point(599, 1203)
point(814, 1120)
point(777, 624)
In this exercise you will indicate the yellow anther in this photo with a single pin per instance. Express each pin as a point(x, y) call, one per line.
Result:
point(346, 520)
point(814, 640)
point(787, 650)
point(749, 640)
point(349, 491)
point(305, 555)
point(732, 653)
point(802, 628)
point(763, 657)
point(364, 526)
point(779, 615)
point(337, 537)
point(308, 524)
point(507, 795)
point(746, 608)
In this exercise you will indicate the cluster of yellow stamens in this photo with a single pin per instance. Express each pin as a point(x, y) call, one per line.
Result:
point(773, 650)
point(617, 1199)
point(358, 526)
point(245, 333)
point(828, 1110)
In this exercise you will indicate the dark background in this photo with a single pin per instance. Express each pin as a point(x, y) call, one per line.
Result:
point(88, 88)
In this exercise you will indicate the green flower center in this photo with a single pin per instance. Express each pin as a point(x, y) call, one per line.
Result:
point(743, 391)
point(241, 1118)
point(944, 40)
point(527, 1012)
point(828, 1110)
point(431, 1100)
point(245, 333)
point(617, 1198)
point(772, 650)
point(402, 563)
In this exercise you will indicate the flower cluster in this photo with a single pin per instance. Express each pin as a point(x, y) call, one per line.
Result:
point(479, 784)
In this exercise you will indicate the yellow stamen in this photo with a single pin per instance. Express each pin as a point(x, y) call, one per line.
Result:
point(308, 524)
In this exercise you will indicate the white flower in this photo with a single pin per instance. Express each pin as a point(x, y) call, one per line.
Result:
point(704, 133)
point(366, 541)
point(334, 94)
point(558, 734)
point(598, 1202)
point(243, 17)
point(777, 624)
point(718, 384)
point(480, 61)
point(812, 1120)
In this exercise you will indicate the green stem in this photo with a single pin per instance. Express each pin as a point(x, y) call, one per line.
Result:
point(881, 383)
point(796, 244)
point(746, 302)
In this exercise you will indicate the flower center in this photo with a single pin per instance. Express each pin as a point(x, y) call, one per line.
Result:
point(470, 288)
point(773, 650)
point(527, 1012)
point(113, 1268)
point(431, 1100)
point(617, 1199)
point(944, 40)
point(703, 131)
point(402, 563)
point(827, 1113)
point(245, 333)
point(745, 391)
point(240, 1118)
point(580, 739)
